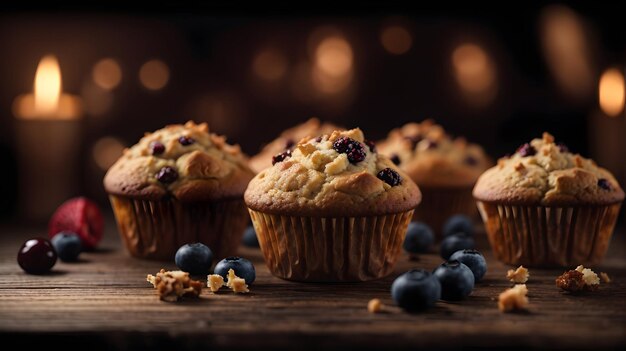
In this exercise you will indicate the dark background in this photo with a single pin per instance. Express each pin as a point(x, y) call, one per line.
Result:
point(210, 53)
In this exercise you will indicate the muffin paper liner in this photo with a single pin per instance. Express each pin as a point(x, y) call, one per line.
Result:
point(539, 236)
point(439, 203)
point(332, 249)
point(156, 229)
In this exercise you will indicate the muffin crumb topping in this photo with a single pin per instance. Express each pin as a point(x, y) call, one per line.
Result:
point(605, 277)
point(215, 282)
point(513, 299)
point(236, 284)
point(518, 276)
point(579, 279)
point(173, 285)
point(374, 306)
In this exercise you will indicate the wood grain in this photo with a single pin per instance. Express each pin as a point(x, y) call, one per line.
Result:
point(105, 301)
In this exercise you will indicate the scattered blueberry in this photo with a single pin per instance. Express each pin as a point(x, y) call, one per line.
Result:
point(416, 290)
point(472, 259)
point(454, 243)
point(371, 145)
point(36, 256)
point(389, 176)
point(249, 237)
point(67, 245)
point(395, 159)
point(457, 280)
point(242, 267)
point(280, 157)
point(604, 184)
point(185, 140)
point(471, 160)
point(526, 150)
point(167, 175)
point(419, 238)
point(350, 147)
point(194, 258)
point(157, 148)
point(458, 223)
point(562, 147)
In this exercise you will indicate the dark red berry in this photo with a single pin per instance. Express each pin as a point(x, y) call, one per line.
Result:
point(289, 144)
point(389, 176)
point(526, 150)
point(471, 160)
point(371, 145)
point(318, 139)
point(281, 157)
point(351, 147)
point(157, 148)
point(167, 175)
point(431, 145)
point(185, 140)
point(36, 256)
point(604, 184)
point(562, 147)
point(395, 159)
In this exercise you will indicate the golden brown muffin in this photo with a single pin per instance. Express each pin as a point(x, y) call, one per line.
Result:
point(172, 187)
point(444, 168)
point(287, 141)
point(545, 206)
point(331, 210)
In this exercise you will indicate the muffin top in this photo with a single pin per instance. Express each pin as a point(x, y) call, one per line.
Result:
point(183, 161)
point(544, 173)
point(333, 175)
point(432, 158)
point(287, 141)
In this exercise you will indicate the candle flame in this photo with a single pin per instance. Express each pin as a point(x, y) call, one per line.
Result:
point(611, 92)
point(47, 85)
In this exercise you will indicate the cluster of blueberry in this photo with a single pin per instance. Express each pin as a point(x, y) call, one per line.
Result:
point(454, 279)
point(197, 258)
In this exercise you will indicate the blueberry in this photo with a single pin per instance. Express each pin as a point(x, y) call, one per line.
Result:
point(471, 160)
point(67, 245)
point(281, 157)
point(454, 243)
point(458, 223)
point(395, 159)
point(157, 147)
point(186, 141)
point(416, 290)
point(562, 147)
point(289, 144)
point(194, 258)
point(457, 280)
point(249, 237)
point(419, 238)
point(167, 175)
point(604, 184)
point(371, 145)
point(242, 267)
point(389, 176)
point(474, 260)
point(36, 256)
point(526, 150)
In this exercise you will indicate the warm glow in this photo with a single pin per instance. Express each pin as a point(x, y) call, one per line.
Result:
point(473, 68)
point(106, 151)
point(612, 92)
point(270, 65)
point(333, 56)
point(107, 74)
point(396, 40)
point(47, 85)
point(154, 74)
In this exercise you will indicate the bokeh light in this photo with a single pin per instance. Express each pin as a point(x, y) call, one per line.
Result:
point(106, 151)
point(154, 74)
point(396, 40)
point(107, 74)
point(611, 92)
point(269, 65)
point(475, 73)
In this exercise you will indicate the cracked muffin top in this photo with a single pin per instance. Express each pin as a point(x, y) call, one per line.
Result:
point(287, 141)
point(544, 173)
point(183, 161)
point(432, 158)
point(338, 174)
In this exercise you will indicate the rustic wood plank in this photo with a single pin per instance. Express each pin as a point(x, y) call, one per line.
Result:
point(105, 300)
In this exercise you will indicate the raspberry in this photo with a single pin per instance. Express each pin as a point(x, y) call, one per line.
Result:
point(389, 176)
point(81, 216)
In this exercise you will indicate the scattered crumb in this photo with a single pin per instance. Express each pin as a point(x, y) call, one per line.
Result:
point(605, 277)
point(214, 282)
point(518, 276)
point(172, 285)
point(513, 299)
point(577, 280)
point(374, 306)
point(236, 284)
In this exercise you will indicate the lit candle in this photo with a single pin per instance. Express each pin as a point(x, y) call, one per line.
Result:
point(48, 142)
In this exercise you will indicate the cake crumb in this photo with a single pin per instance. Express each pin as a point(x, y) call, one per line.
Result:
point(518, 276)
point(236, 284)
point(173, 285)
point(513, 299)
point(579, 279)
point(605, 277)
point(214, 282)
point(374, 306)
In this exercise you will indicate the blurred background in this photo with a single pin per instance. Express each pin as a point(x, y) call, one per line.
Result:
point(78, 85)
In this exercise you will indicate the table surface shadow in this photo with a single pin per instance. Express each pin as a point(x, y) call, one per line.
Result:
point(104, 301)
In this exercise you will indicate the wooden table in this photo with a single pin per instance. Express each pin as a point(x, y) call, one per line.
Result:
point(105, 301)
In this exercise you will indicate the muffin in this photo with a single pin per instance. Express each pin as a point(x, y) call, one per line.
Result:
point(178, 185)
point(287, 141)
point(445, 169)
point(333, 210)
point(545, 206)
